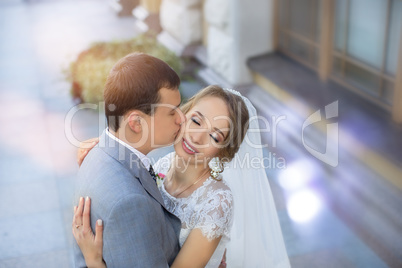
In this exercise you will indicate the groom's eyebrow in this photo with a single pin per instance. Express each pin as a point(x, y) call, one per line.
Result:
point(176, 107)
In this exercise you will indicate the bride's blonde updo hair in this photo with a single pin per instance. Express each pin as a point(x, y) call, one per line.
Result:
point(238, 115)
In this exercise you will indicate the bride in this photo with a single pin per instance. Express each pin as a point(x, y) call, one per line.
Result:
point(224, 203)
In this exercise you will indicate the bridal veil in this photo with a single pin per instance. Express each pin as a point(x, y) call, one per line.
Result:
point(256, 236)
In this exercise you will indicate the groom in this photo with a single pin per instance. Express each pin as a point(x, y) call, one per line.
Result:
point(138, 230)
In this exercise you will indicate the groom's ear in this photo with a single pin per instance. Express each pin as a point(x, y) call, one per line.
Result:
point(134, 119)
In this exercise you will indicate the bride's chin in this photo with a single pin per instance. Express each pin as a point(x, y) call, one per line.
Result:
point(195, 159)
point(183, 155)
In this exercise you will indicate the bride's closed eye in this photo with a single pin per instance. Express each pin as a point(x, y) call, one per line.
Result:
point(195, 120)
point(213, 135)
point(214, 138)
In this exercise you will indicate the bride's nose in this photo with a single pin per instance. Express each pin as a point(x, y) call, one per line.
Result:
point(197, 136)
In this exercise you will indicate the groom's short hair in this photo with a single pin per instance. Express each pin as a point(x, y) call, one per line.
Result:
point(133, 84)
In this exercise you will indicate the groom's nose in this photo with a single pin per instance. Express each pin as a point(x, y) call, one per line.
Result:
point(180, 119)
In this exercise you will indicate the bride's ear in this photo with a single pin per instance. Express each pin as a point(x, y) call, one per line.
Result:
point(134, 120)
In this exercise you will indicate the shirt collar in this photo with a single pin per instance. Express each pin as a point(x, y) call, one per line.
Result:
point(144, 159)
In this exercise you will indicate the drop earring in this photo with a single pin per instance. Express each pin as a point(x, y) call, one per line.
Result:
point(216, 167)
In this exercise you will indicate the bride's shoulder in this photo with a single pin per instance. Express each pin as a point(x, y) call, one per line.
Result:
point(219, 187)
point(217, 200)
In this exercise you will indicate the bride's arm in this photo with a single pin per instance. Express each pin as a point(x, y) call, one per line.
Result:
point(213, 221)
point(196, 251)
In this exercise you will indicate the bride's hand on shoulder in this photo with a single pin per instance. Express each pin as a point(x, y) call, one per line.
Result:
point(84, 148)
point(91, 244)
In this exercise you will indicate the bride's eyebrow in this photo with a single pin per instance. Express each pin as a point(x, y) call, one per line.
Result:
point(200, 114)
point(215, 128)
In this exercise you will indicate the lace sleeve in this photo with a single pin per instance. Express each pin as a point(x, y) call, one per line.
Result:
point(216, 215)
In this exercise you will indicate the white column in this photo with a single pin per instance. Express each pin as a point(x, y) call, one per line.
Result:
point(237, 31)
point(182, 20)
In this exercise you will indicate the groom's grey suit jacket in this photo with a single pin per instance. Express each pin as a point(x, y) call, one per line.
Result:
point(138, 230)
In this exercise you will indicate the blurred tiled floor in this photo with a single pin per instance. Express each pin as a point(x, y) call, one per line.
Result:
point(37, 164)
point(331, 217)
point(351, 209)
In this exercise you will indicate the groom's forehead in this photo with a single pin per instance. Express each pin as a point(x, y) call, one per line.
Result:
point(170, 98)
point(168, 95)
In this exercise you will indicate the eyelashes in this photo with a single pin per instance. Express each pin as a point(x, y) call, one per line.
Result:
point(199, 124)
point(195, 121)
point(215, 139)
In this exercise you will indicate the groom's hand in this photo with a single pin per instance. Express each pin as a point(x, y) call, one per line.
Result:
point(84, 148)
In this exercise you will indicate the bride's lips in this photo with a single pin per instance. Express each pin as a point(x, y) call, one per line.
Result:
point(188, 148)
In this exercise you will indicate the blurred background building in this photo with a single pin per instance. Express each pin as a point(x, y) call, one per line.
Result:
point(353, 42)
point(326, 75)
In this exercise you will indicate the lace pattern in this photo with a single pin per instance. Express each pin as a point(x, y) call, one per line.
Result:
point(209, 208)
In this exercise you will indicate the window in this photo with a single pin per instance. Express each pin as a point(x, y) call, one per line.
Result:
point(366, 36)
point(300, 29)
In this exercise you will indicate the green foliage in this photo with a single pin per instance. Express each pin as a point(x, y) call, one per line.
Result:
point(89, 72)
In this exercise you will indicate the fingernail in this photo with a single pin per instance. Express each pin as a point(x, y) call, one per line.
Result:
point(81, 198)
point(99, 222)
point(87, 198)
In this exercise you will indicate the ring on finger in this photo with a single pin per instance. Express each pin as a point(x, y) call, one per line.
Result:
point(77, 226)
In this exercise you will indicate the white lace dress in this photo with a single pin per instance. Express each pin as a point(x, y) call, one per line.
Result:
point(209, 208)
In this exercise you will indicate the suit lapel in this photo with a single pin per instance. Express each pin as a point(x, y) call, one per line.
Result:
point(150, 185)
point(131, 162)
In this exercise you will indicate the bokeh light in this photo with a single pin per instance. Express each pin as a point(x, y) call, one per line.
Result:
point(304, 206)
